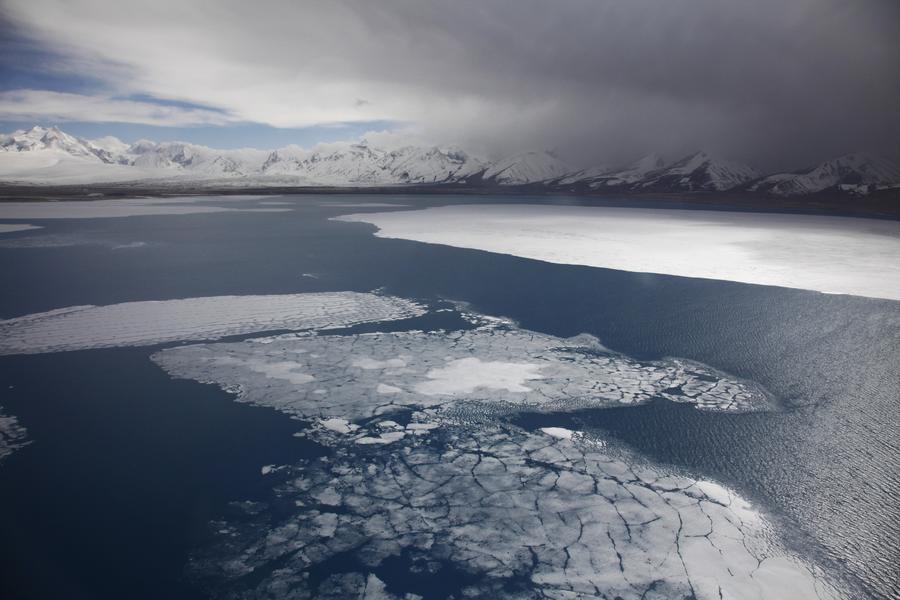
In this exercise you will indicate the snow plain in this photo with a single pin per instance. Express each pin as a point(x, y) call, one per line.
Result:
point(207, 318)
point(834, 255)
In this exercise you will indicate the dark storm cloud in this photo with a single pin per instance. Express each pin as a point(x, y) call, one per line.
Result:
point(777, 83)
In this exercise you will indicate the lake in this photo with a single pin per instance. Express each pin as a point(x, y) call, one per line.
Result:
point(126, 467)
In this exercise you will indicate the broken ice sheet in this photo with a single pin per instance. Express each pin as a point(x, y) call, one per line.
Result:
point(523, 515)
point(452, 487)
point(362, 376)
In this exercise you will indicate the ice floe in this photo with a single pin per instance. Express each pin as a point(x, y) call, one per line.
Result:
point(12, 435)
point(522, 515)
point(206, 318)
point(453, 485)
point(122, 207)
point(11, 227)
point(363, 376)
point(338, 425)
point(826, 254)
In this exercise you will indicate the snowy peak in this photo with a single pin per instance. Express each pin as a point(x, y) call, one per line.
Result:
point(530, 167)
point(623, 177)
point(39, 139)
point(646, 164)
point(413, 164)
point(699, 172)
point(855, 173)
point(111, 144)
point(45, 154)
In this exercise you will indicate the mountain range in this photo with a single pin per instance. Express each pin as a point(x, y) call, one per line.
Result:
point(50, 156)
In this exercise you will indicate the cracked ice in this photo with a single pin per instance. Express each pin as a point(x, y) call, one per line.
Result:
point(495, 368)
point(530, 515)
point(546, 514)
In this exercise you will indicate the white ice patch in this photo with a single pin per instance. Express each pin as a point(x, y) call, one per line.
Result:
point(10, 227)
point(284, 370)
point(387, 437)
point(501, 366)
point(125, 207)
point(209, 318)
point(826, 254)
point(383, 388)
point(545, 514)
point(525, 516)
point(465, 375)
point(559, 432)
point(338, 425)
point(12, 435)
point(370, 363)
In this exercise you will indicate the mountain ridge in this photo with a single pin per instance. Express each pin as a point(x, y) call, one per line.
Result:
point(49, 155)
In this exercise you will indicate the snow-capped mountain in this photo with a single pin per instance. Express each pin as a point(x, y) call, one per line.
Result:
point(621, 177)
point(361, 164)
point(51, 155)
point(198, 161)
point(530, 167)
point(350, 164)
point(432, 165)
point(859, 173)
point(52, 139)
point(698, 172)
point(47, 155)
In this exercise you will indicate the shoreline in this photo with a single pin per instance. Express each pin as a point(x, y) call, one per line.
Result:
point(878, 205)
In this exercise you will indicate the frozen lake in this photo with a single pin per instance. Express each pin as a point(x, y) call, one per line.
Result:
point(230, 397)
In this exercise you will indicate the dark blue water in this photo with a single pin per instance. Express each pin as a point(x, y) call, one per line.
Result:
point(127, 466)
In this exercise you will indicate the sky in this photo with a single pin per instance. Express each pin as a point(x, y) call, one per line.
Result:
point(777, 84)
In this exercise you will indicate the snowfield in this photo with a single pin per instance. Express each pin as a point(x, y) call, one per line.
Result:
point(834, 255)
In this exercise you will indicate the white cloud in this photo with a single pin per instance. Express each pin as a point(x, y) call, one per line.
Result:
point(742, 78)
point(42, 105)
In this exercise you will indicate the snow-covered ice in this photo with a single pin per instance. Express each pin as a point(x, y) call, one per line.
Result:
point(827, 254)
point(120, 207)
point(359, 376)
point(207, 318)
point(465, 375)
point(11, 228)
point(12, 435)
point(550, 513)
point(559, 432)
point(526, 515)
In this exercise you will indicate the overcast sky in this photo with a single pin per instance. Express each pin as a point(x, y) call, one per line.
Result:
point(777, 83)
